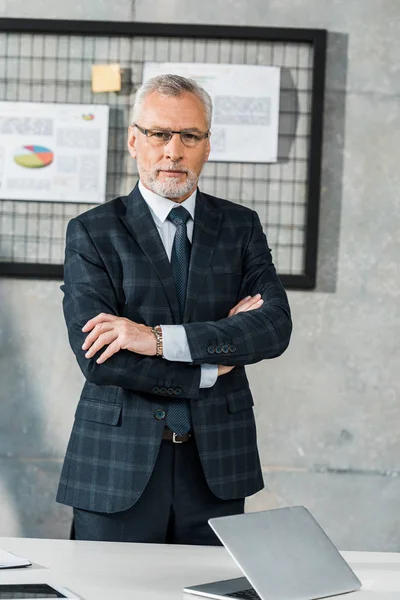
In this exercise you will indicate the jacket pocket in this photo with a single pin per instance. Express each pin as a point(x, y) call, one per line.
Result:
point(98, 412)
point(100, 393)
point(239, 400)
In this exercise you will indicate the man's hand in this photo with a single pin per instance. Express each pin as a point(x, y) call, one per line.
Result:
point(224, 369)
point(118, 334)
point(248, 303)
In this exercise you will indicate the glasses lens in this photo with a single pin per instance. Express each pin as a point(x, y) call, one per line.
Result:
point(158, 138)
point(190, 139)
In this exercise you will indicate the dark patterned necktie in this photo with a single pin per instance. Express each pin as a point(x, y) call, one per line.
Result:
point(178, 415)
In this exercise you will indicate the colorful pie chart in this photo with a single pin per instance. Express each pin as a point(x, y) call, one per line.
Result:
point(33, 157)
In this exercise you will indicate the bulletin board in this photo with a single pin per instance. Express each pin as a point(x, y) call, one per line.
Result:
point(50, 61)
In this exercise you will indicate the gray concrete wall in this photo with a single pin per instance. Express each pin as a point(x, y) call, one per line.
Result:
point(328, 410)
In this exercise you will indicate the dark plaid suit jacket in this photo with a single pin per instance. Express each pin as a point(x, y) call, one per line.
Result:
point(116, 263)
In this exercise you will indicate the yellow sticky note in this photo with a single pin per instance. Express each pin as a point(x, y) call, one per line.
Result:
point(106, 78)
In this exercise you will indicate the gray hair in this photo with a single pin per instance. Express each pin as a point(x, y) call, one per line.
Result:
point(172, 85)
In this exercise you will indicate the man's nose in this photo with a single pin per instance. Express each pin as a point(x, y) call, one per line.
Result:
point(174, 149)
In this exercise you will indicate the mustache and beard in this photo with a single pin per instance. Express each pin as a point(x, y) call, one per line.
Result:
point(171, 187)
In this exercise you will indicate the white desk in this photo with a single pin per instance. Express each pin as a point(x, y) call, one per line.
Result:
point(116, 571)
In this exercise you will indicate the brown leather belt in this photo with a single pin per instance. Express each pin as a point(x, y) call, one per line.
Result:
point(177, 439)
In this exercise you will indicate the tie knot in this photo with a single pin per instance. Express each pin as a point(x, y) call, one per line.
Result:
point(179, 215)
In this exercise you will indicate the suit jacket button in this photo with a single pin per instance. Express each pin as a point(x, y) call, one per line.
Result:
point(232, 348)
point(163, 391)
point(225, 349)
point(156, 390)
point(210, 350)
point(177, 391)
point(159, 414)
point(170, 391)
point(218, 350)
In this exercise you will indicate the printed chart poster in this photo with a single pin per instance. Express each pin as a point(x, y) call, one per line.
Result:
point(53, 152)
point(246, 107)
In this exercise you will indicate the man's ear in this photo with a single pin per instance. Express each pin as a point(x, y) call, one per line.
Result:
point(132, 141)
point(208, 149)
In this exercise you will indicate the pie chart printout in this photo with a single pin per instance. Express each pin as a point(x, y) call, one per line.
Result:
point(53, 152)
point(33, 157)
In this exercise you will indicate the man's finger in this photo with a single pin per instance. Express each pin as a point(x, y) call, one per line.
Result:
point(95, 333)
point(252, 305)
point(103, 340)
point(256, 304)
point(112, 349)
point(245, 304)
point(101, 318)
point(240, 303)
point(248, 300)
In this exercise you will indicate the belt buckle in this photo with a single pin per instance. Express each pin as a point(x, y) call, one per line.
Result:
point(174, 436)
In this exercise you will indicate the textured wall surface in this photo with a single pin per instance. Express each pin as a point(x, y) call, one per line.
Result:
point(328, 410)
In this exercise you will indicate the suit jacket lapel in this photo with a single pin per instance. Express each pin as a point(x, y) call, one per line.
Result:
point(207, 220)
point(140, 224)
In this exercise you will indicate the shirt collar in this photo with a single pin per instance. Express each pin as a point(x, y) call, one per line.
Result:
point(160, 206)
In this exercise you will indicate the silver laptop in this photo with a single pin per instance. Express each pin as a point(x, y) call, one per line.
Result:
point(284, 555)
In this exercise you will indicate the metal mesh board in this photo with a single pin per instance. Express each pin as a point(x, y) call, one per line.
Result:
point(50, 61)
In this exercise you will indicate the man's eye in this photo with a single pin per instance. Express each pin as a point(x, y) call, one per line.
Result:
point(190, 137)
point(160, 135)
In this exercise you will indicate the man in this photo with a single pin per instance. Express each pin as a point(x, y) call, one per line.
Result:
point(169, 293)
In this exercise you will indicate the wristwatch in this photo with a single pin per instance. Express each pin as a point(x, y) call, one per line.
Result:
point(157, 330)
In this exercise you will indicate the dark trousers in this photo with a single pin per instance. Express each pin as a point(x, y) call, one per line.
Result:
point(173, 508)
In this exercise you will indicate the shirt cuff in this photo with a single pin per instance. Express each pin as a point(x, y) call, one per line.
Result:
point(209, 375)
point(175, 343)
point(176, 348)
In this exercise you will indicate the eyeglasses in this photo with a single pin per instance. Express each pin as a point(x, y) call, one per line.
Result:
point(159, 137)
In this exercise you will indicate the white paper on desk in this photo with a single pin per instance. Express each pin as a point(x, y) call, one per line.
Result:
point(382, 581)
point(8, 560)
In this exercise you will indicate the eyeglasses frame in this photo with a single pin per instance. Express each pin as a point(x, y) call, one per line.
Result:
point(145, 132)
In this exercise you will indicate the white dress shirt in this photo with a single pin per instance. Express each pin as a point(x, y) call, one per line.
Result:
point(175, 344)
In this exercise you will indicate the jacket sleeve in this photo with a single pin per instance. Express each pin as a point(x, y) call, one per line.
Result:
point(88, 291)
point(251, 336)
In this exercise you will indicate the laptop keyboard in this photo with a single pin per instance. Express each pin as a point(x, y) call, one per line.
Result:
point(249, 594)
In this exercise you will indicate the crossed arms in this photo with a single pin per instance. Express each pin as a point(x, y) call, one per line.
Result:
point(258, 327)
